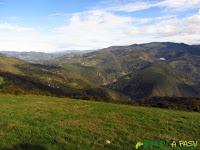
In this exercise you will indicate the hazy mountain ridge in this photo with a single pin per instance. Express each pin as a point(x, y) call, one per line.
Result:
point(41, 57)
point(29, 56)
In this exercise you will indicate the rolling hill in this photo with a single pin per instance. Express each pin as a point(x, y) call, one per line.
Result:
point(117, 73)
point(145, 70)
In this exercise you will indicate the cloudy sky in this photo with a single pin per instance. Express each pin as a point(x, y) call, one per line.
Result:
point(56, 25)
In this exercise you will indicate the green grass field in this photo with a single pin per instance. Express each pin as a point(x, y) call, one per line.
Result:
point(39, 122)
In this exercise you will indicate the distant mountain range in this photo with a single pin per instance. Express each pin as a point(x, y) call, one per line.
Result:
point(40, 57)
point(118, 73)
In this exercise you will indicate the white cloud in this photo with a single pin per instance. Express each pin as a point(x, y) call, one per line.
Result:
point(180, 4)
point(101, 28)
point(20, 38)
point(176, 29)
point(7, 26)
point(98, 29)
point(131, 7)
point(170, 5)
point(94, 29)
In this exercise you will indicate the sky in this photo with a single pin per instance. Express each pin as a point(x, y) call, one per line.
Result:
point(60, 25)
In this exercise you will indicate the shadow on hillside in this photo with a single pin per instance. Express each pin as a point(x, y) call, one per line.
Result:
point(25, 147)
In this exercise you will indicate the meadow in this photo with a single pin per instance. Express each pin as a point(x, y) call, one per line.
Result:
point(49, 123)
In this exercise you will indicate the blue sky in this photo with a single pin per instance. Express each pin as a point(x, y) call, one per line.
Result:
point(52, 25)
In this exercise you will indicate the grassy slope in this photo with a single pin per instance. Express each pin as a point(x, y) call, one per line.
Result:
point(53, 123)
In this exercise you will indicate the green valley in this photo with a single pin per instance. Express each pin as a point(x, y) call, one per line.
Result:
point(119, 74)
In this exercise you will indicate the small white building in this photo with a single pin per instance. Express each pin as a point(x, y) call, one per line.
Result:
point(162, 58)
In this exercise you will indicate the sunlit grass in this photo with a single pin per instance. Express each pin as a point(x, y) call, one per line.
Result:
point(55, 123)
